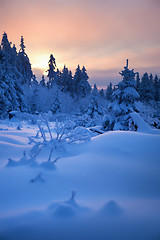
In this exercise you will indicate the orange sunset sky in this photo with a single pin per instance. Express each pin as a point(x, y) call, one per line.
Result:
point(98, 34)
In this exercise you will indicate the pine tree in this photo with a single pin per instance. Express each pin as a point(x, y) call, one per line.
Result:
point(95, 91)
point(23, 64)
point(138, 84)
point(122, 102)
point(65, 79)
point(51, 71)
point(34, 82)
point(126, 88)
point(6, 48)
point(4, 103)
point(84, 88)
point(22, 46)
point(34, 99)
point(56, 107)
point(156, 89)
point(9, 76)
point(101, 93)
point(70, 82)
point(94, 109)
point(146, 91)
point(109, 91)
point(76, 81)
point(42, 82)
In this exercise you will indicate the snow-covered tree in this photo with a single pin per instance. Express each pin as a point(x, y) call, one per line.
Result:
point(23, 64)
point(84, 87)
point(51, 70)
point(42, 82)
point(76, 80)
point(95, 92)
point(101, 93)
point(71, 85)
point(56, 107)
point(65, 80)
point(156, 89)
point(10, 76)
point(138, 84)
point(6, 48)
point(109, 91)
point(122, 102)
point(146, 89)
point(34, 82)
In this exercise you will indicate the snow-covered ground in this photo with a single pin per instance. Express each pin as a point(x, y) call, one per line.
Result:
point(116, 176)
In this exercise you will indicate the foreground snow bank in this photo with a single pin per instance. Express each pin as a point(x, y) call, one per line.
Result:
point(119, 166)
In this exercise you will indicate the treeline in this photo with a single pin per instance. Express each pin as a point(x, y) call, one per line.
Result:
point(61, 91)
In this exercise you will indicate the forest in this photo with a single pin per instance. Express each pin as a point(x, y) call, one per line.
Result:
point(63, 93)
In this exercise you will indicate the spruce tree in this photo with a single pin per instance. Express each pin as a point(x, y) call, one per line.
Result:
point(65, 79)
point(123, 100)
point(42, 82)
point(95, 92)
point(70, 82)
point(138, 84)
point(56, 107)
point(23, 64)
point(34, 82)
point(146, 90)
point(34, 100)
point(76, 81)
point(51, 71)
point(109, 91)
point(84, 87)
point(156, 89)
point(101, 93)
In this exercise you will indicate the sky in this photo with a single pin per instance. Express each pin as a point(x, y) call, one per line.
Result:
point(99, 34)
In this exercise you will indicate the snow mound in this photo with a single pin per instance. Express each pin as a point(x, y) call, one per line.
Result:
point(22, 162)
point(64, 211)
point(111, 209)
point(68, 208)
point(141, 125)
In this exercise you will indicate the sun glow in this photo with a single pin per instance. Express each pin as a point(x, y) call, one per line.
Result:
point(40, 61)
point(45, 73)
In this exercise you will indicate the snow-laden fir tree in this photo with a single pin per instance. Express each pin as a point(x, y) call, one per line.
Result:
point(94, 109)
point(65, 80)
point(156, 85)
point(122, 102)
point(138, 84)
point(34, 82)
point(95, 92)
point(146, 88)
point(109, 91)
point(71, 85)
point(11, 77)
point(34, 100)
point(81, 85)
point(23, 64)
point(51, 71)
point(56, 106)
point(42, 82)
point(84, 88)
point(4, 103)
point(76, 81)
point(101, 93)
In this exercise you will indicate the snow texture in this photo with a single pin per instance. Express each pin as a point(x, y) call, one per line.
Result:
point(115, 174)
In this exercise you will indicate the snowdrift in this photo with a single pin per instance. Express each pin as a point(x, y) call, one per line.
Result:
point(116, 176)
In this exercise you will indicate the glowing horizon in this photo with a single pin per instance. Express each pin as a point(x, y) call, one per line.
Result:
point(100, 35)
